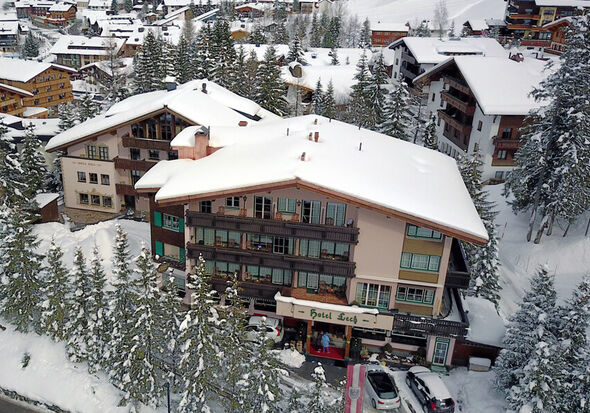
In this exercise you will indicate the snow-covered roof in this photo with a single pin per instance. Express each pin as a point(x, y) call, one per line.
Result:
point(8, 17)
point(218, 106)
point(435, 50)
point(61, 7)
point(478, 24)
point(186, 137)
point(19, 70)
point(342, 79)
point(44, 199)
point(34, 110)
point(563, 3)
point(401, 178)
point(44, 128)
point(82, 45)
point(176, 3)
point(485, 325)
point(389, 27)
point(558, 22)
point(501, 86)
point(256, 6)
point(8, 27)
point(99, 4)
point(15, 89)
point(206, 15)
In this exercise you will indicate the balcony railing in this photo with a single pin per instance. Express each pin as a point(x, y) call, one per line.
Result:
point(138, 165)
point(273, 227)
point(265, 259)
point(503, 162)
point(458, 272)
point(536, 43)
point(322, 296)
point(248, 289)
point(463, 106)
point(457, 84)
point(408, 58)
point(125, 189)
point(506, 143)
point(524, 16)
point(159, 145)
point(457, 140)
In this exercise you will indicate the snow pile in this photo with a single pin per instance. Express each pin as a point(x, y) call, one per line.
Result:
point(485, 325)
point(290, 357)
point(51, 378)
point(474, 391)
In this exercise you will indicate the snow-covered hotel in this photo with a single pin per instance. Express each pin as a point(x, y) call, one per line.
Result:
point(328, 227)
point(480, 102)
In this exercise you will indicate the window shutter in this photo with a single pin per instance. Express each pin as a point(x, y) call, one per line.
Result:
point(282, 205)
point(315, 212)
point(291, 205)
point(157, 219)
point(181, 225)
point(182, 255)
point(159, 249)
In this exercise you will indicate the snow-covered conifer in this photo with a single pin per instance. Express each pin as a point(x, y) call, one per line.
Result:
point(250, 76)
point(270, 90)
point(183, 61)
point(87, 108)
point(296, 51)
point(114, 7)
point(316, 32)
point(257, 36)
point(149, 65)
point(377, 94)
point(32, 161)
point(365, 41)
point(395, 114)
point(429, 137)
point(422, 30)
point(31, 46)
point(334, 56)
point(67, 116)
point(98, 336)
point(329, 102)
point(318, 99)
point(77, 326)
point(359, 105)
point(55, 295)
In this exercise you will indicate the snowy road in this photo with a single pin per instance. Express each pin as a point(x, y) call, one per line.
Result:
point(12, 406)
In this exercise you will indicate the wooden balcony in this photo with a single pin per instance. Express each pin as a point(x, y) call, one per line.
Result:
point(330, 297)
point(125, 189)
point(156, 144)
point(266, 259)
point(536, 43)
point(138, 165)
point(524, 16)
point(273, 227)
point(429, 325)
point(408, 58)
point(465, 107)
point(460, 140)
point(503, 162)
point(512, 144)
point(463, 128)
point(248, 289)
point(405, 72)
point(458, 271)
point(457, 84)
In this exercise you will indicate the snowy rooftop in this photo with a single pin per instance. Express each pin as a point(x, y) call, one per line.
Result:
point(44, 199)
point(44, 128)
point(264, 154)
point(15, 89)
point(435, 50)
point(218, 106)
point(8, 27)
point(485, 325)
point(501, 86)
point(19, 70)
point(478, 24)
point(61, 7)
point(342, 79)
point(95, 46)
point(389, 27)
point(563, 3)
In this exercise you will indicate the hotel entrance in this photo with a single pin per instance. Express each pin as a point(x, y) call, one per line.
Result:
point(337, 335)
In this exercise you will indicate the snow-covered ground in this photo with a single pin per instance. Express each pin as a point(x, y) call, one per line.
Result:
point(403, 11)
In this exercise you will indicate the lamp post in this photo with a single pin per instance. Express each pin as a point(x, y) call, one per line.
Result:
point(167, 385)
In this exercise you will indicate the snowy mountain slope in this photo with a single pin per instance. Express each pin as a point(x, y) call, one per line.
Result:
point(402, 11)
point(568, 258)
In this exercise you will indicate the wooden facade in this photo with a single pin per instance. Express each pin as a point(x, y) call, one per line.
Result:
point(11, 100)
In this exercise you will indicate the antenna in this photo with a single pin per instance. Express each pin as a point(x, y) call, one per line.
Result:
point(287, 131)
point(360, 146)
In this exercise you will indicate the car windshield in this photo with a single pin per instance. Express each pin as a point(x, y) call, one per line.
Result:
point(445, 402)
point(383, 385)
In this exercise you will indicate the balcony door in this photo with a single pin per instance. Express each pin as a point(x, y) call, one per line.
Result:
point(441, 349)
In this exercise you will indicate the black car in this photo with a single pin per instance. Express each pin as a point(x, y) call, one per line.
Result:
point(430, 390)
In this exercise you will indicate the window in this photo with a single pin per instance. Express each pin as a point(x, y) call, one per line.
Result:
point(173, 252)
point(81, 176)
point(310, 212)
point(502, 154)
point(137, 130)
point(91, 152)
point(419, 232)
point(335, 214)
point(479, 125)
point(415, 295)
point(334, 251)
point(95, 200)
point(499, 175)
point(135, 154)
point(286, 205)
point(205, 206)
point(62, 95)
point(281, 277)
point(36, 101)
point(373, 295)
point(262, 207)
point(218, 237)
point(107, 202)
point(315, 283)
point(221, 269)
point(170, 222)
point(254, 272)
point(259, 242)
point(61, 85)
point(166, 126)
point(154, 154)
point(438, 121)
point(35, 91)
point(48, 88)
point(151, 128)
point(49, 98)
point(93, 178)
point(309, 248)
point(433, 97)
point(506, 133)
point(103, 152)
point(421, 262)
point(282, 245)
point(104, 179)
point(84, 199)
point(396, 61)
point(233, 202)
point(441, 103)
point(135, 175)
point(172, 155)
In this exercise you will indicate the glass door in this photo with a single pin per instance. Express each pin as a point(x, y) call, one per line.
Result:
point(441, 348)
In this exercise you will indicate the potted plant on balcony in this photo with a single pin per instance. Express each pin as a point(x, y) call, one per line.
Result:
point(364, 353)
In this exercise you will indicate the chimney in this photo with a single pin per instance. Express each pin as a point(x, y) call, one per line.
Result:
point(170, 83)
point(316, 136)
point(302, 156)
point(310, 136)
point(315, 122)
point(242, 122)
point(204, 88)
point(517, 57)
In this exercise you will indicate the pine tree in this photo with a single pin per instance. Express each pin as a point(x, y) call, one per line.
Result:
point(222, 51)
point(422, 30)
point(554, 159)
point(34, 171)
point(296, 51)
point(99, 327)
point(430, 139)
point(332, 34)
point(281, 36)
point(182, 61)
point(395, 114)
point(31, 46)
point(149, 65)
point(251, 76)
point(317, 99)
point(122, 308)
point(522, 335)
point(441, 17)
point(236, 76)
point(87, 108)
point(330, 102)
point(257, 36)
point(203, 60)
point(140, 383)
point(198, 346)
point(67, 116)
point(77, 328)
point(128, 5)
point(12, 185)
point(56, 295)
point(270, 86)
point(114, 7)
point(318, 401)
point(483, 260)
point(359, 105)
point(452, 29)
point(295, 403)
point(316, 32)
point(377, 97)
point(334, 55)
point(53, 181)
point(365, 41)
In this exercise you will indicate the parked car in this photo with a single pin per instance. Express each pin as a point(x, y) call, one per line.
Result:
point(430, 390)
point(273, 326)
point(381, 389)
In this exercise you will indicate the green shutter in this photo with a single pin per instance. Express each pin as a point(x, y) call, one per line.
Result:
point(157, 218)
point(282, 205)
point(181, 225)
point(182, 255)
point(291, 205)
point(159, 249)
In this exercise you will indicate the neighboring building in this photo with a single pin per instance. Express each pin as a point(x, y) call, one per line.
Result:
point(11, 99)
point(99, 5)
point(9, 36)
point(48, 83)
point(558, 29)
point(48, 209)
point(481, 102)
point(250, 10)
point(476, 27)
point(77, 51)
point(411, 56)
point(328, 226)
point(525, 19)
point(383, 34)
point(60, 14)
point(106, 155)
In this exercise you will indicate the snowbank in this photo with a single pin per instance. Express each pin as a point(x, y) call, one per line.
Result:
point(290, 357)
point(485, 324)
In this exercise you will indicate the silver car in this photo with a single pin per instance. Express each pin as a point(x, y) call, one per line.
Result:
point(380, 388)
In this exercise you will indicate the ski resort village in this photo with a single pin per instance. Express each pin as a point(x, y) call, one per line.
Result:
point(294, 206)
